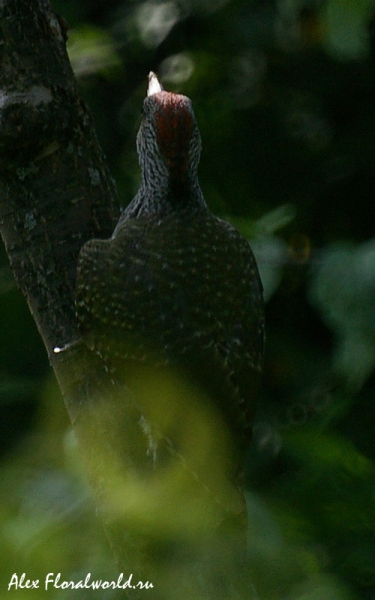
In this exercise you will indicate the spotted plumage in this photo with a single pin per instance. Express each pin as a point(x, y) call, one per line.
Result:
point(176, 286)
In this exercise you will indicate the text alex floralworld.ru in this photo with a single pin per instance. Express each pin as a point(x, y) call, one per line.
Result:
point(53, 580)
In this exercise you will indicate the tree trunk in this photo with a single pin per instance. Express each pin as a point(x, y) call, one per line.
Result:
point(56, 193)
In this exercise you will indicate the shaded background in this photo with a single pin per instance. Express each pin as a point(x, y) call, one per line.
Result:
point(284, 93)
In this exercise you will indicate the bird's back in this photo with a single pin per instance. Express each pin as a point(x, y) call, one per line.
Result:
point(179, 289)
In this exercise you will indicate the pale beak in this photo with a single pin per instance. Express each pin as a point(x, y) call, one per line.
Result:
point(154, 85)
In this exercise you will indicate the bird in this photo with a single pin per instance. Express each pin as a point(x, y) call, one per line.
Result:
point(176, 287)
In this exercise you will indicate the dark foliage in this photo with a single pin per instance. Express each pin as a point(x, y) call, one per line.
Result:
point(284, 93)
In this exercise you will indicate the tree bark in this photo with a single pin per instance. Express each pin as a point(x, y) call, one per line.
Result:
point(55, 194)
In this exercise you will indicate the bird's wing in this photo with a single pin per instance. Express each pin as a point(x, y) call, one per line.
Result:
point(184, 293)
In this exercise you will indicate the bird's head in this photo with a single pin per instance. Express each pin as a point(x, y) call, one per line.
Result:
point(168, 140)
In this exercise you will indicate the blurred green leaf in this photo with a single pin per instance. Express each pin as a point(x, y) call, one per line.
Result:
point(92, 51)
point(345, 23)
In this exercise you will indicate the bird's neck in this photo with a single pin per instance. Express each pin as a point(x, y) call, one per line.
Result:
point(171, 194)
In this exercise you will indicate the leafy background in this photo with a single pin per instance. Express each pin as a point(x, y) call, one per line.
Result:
point(284, 92)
